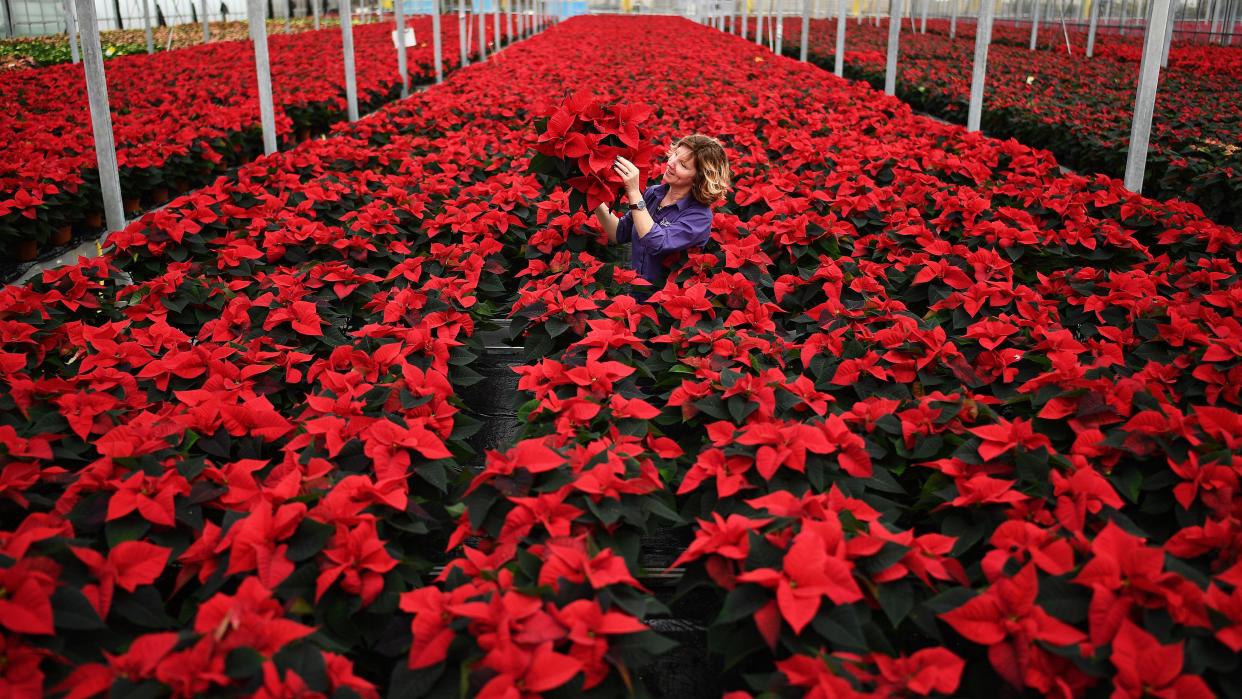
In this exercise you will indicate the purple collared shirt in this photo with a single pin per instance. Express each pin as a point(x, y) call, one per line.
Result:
point(678, 226)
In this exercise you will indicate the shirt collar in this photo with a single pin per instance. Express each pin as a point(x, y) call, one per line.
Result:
point(681, 204)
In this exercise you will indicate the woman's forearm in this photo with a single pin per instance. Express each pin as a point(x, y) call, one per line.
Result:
point(608, 221)
point(642, 220)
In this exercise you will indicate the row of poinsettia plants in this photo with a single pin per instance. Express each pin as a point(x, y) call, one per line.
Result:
point(925, 417)
point(1078, 108)
point(183, 117)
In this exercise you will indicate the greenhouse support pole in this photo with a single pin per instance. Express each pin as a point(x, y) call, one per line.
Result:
point(780, 27)
point(729, 18)
point(745, 18)
point(875, 11)
point(759, 24)
point(839, 62)
point(806, 28)
point(1168, 35)
point(398, 15)
point(953, 19)
point(923, 19)
point(288, 13)
point(116, 8)
point(1064, 28)
point(512, 14)
point(778, 16)
point(315, 10)
point(1091, 26)
point(71, 28)
point(1035, 23)
point(206, 24)
point(347, 43)
point(1145, 96)
point(146, 25)
point(979, 71)
point(436, 41)
point(101, 118)
point(263, 71)
point(894, 38)
point(464, 58)
point(8, 19)
point(481, 16)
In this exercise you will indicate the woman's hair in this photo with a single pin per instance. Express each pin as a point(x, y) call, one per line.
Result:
point(712, 176)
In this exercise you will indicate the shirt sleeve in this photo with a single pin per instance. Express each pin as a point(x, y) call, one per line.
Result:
point(625, 227)
point(692, 228)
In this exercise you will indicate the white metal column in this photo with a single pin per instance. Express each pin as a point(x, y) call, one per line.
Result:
point(979, 71)
point(263, 72)
point(101, 117)
point(839, 67)
point(347, 43)
point(894, 39)
point(436, 41)
point(1145, 96)
point(398, 14)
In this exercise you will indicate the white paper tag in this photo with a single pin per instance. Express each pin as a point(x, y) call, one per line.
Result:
point(410, 41)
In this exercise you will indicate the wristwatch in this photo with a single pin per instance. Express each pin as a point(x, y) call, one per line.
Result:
point(641, 205)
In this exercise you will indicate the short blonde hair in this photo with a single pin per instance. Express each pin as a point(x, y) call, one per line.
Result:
point(712, 177)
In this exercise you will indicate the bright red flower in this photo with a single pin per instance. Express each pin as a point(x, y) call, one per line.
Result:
point(1145, 668)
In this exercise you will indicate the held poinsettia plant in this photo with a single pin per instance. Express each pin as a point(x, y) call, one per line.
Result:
point(581, 137)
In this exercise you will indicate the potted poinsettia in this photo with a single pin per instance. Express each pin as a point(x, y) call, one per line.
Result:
point(579, 139)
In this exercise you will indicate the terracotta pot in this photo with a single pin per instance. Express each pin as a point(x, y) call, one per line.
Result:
point(132, 205)
point(62, 235)
point(94, 219)
point(25, 250)
point(160, 195)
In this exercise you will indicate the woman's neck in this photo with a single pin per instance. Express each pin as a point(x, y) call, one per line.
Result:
point(676, 193)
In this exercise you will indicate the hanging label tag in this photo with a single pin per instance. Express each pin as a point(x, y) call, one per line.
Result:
point(410, 41)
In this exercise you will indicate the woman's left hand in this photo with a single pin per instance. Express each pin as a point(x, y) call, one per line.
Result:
point(628, 173)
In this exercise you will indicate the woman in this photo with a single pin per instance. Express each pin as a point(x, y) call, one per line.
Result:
point(673, 215)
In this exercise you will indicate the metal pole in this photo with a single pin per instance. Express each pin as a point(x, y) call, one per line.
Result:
point(894, 38)
point(206, 25)
point(1064, 29)
point(839, 67)
point(759, 24)
point(745, 18)
point(347, 43)
point(1145, 96)
point(953, 19)
point(315, 9)
point(8, 19)
point(71, 28)
point(262, 67)
point(482, 22)
point(806, 28)
point(436, 44)
point(509, 6)
point(1168, 37)
point(978, 73)
point(923, 19)
point(288, 8)
point(101, 117)
point(146, 26)
point(464, 59)
point(780, 27)
point(398, 14)
point(1035, 23)
point(1092, 22)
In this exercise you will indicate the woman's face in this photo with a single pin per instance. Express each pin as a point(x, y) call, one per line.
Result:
point(679, 170)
